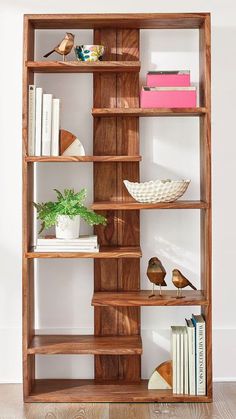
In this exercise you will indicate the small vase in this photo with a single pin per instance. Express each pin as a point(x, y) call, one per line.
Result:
point(67, 228)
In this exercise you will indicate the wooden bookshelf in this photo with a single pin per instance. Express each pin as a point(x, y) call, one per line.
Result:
point(117, 299)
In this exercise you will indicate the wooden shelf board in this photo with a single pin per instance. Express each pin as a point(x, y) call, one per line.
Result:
point(104, 253)
point(86, 344)
point(143, 112)
point(82, 67)
point(116, 205)
point(119, 20)
point(83, 159)
point(67, 391)
point(141, 298)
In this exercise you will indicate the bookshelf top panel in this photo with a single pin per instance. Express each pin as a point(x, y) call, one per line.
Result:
point(119, 20)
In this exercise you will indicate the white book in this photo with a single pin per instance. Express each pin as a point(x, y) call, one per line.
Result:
point(181, 361)
point(178, 361)
point(174, 358)
point(191, 357)
point(67, 249)
point(200, 336)
point(186, 370)
point(47, 124)
point(82, 240)
point(38, 121)
point(31, 121)
point(55, 127)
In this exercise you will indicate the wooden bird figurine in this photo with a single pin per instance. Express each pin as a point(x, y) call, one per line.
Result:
point(64, 47)
point(156, 274)
point(180, 281)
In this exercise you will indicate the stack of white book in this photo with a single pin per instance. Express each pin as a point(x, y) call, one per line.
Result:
point(43, 123)
point(82, 244)
point(189, 357)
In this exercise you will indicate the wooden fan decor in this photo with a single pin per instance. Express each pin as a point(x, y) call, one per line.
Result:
point(161, 378)
point(70, 145)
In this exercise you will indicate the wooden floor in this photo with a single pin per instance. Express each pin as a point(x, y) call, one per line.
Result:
point(224, 407)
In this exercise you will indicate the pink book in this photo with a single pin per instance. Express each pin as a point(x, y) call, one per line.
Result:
point(168, 97)
point(168, 78)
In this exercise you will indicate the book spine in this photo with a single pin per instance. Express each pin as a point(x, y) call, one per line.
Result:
point(178, 360)
point(181, 363)
point(201, 359)
point(191, 360)
point(31, 121)
point(38, 121)
point(174, 366)
point(55, 127)
point(186, 365)
point(47, 124)
point(67, 249)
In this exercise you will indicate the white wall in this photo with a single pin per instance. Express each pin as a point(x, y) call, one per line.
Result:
point(169, 148)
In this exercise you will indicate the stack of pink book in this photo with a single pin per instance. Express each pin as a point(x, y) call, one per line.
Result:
point(168, 89)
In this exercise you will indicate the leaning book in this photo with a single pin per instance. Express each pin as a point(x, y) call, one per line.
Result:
point(200, 335)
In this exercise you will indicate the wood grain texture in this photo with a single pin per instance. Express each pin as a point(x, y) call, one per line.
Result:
point(27, 222)
point(118, 20)
point(104, 253)
point(128, 222)
point(141, 298)
point(85, 344)
point(82, 67)
point(69, 391)
point(82, 159)
point(134, 205)
point(105, 186)
point(205, 186)
point(223, 407)
point(142, 112)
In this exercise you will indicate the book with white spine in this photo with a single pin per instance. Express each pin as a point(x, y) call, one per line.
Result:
point(50, 240)
point(47, 124)
point(191, 357)
point(200, 336)
point(75, 249)
point(55, 127)
point(186, 369)
point(181, 332)
point(174, 358)
point(31, 121)
point(38, 121)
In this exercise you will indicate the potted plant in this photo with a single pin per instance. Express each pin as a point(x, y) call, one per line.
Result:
point(65, 213)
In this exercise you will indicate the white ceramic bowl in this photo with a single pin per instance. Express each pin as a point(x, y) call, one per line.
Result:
point(157, 190)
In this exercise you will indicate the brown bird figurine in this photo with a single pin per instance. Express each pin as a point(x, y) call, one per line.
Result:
point(156, 274)
point(180, 282)
point(64, 47)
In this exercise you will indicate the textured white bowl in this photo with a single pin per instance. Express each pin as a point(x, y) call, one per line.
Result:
point(157, 191)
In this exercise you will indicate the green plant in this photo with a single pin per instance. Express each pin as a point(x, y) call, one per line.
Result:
point(70, 203)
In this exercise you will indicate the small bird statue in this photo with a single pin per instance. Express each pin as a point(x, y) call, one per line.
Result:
point(156, 274)
point(64, 47)
point(180, 281)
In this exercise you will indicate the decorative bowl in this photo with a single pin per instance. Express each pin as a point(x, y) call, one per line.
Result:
point(157, 190)
point(89, 52)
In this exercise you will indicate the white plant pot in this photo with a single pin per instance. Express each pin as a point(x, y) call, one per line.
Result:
point(67, 228)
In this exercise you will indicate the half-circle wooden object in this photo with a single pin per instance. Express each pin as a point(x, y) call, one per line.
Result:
point(161, 378)
point(70, 144)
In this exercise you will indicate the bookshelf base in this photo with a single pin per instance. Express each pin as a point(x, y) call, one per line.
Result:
point(69, 391)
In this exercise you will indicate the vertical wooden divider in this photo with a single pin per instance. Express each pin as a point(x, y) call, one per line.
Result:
point(117, 136)
point(27, 222)
point(205, 183)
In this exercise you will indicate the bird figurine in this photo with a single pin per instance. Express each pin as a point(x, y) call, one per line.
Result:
point(156, 274)
point(64, 47)
point(180, 282)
